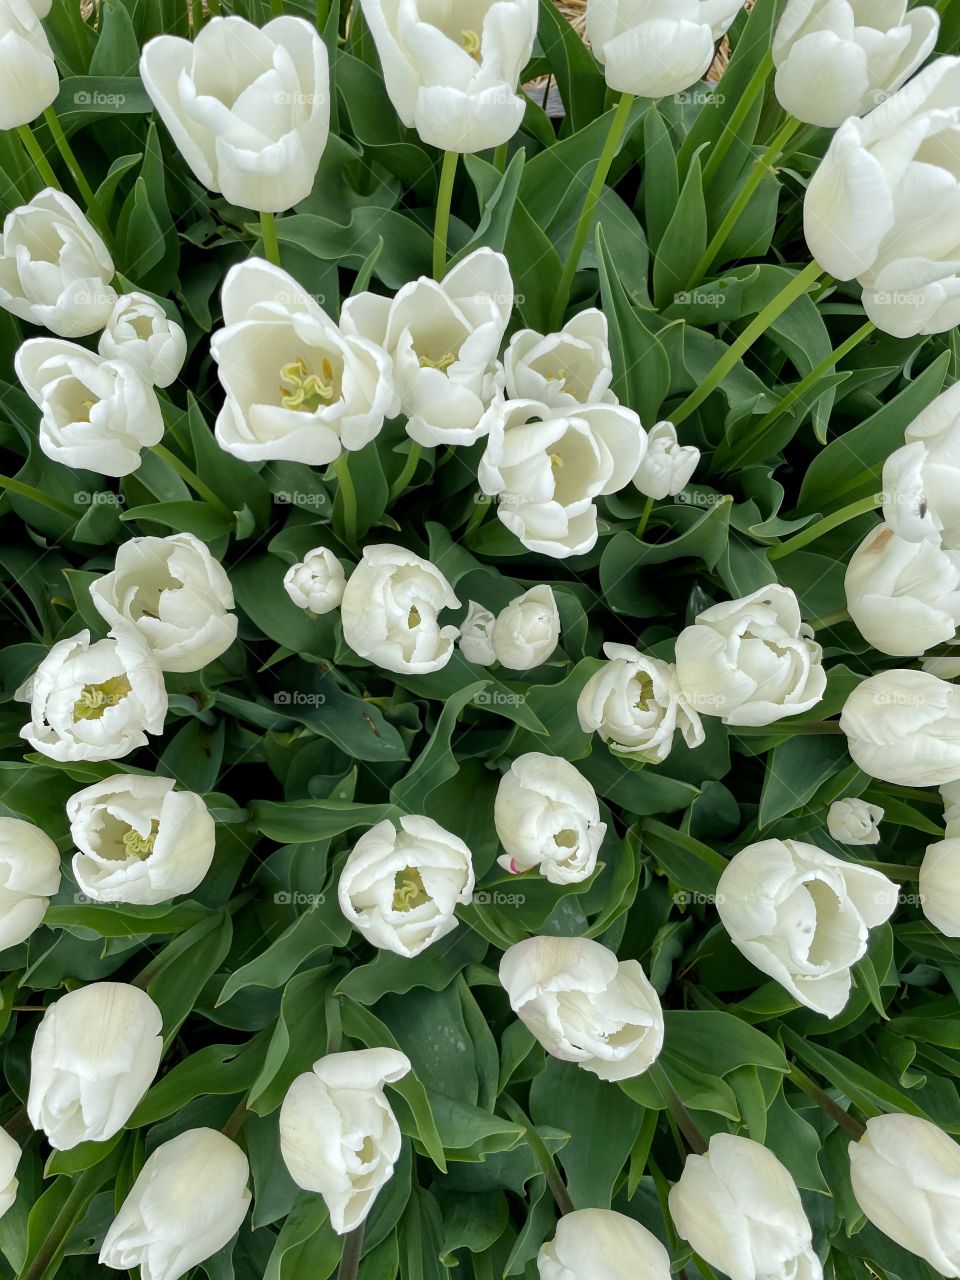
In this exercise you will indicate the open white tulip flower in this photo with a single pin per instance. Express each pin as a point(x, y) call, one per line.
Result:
point(55, 269)
point(189, 1199)
point(139, 331)
point(29, 878)
point(600, 1244)
point(803, 917)
point(248, 107)
point(881, 208)
point(317, 582)
point(444, 338)
point(740, 1210)
point(475, 635)
point(905, 1174)
point(390, 610)
point(854, 821)
point(921, 480)
point(667, 466)
point(175, 594)
point(452, 73)
point(299, 388)
point(527, 631)
point(547, 816)
point(401, 884)
point(94, 1056)
point(940, 884)
point(904, 727)
point(95, 701)
point(10, 1154)
point(27, 69)
point(139, 840)
point(96, 414)
point(584, 1005)
point(338, 1134)
point(565, 369)
point(840, 58)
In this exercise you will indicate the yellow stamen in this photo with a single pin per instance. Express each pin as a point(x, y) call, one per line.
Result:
point(413, 617)
point(137, 846)
point(95, 698)
point(471, 43)
point(556, 462)
point(645, 692)
point(408, 891)
point(443, 364)
point(303, 390)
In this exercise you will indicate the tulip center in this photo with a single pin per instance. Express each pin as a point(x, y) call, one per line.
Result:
point(408, 890)
point(471, 43)
point(413, 617)
point(644, 687)
point(137, 846)
point(566, 839)
point(305, 391)
point(443, 364)
point(556, 463)
point(95, 698)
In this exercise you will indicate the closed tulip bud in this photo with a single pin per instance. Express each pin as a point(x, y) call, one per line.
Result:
point(751, 661)
point(876, 206)
point(803, 917)
point(667, 465)
point(839, 58)
point(854, 821)
point(249, 109)
point(317, 582)
point(389, 611)
point(9, 1160)
point(27, 69)
point(903, 597)
point(94, 701)
point(940, 885)
point(905, 1174)
point(904, 727)
point(921, 481)
point(527, 631)
point(29, 877)
point(401, 885)
point(140, 332)
point(94, 1056)
point(564, 369)
point(453, 76)
point(584, 1005)
point(475, 632)
point(299, 388)
point(547, 816)
point(634, 702)
point(139, 840)
point(547, 466)
point(444, 337)
point(188, 1201)
point(55, 269)
point(338, 1134)
point(176, 596)
point(599, 1244)
point(740, 1210)
point(96, 414)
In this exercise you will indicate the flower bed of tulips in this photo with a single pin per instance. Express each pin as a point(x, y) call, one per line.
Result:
point(479, 761)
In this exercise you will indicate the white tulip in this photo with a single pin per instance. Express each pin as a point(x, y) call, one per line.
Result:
point(547, 816)
point(338, 1134)
point(94, 1056)
point(27, 69)
point(565, 369)
point(667, 465)
point(400, 887)
point(903, 597)
point(475, 632)
point(599, 1244)
point(527, 631)
point(656, 48)
point(802, 917)
point(940, 885)
point(635, 704)
point(55, 269)
point(840, 58)
point(29, 877)
point(452, 74)
point(905, 1174)
point(96, 414)
point(139, 331)
point(188, 1201)
point(94, 701)
point(9, 1159)
point(751, 661)
point(921, 481)
point(389, 611)
point(740, 1210)
point(904, 727)
point(139, 840)
point(546, 466)
point(882, 205)
point(298, 388)
point(584, 1005)
point(444, 337)
point(249, 109)
point(854, 821)
point(316, 583)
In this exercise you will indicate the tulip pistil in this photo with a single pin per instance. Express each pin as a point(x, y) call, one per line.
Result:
point(644, 692)
point(95, 698)
point(471, 43)
point(443, 364)
point(408, 890)
point(137, 846)
point(303, 390)
point(413, 617)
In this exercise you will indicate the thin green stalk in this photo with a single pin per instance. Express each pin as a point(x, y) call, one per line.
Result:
point(349, 495)
point(406, 475)
point(754, 88)
point(477, 517)
point(350, 1258)
point(684, 1120)
point(898, 869)
point(500, 157)
point(448, 173)
point(543, 1157)
point(787, 296)
point(36, 495)
point(615, 133)
point(843, 1118)
point(268, 234)
point(236, 1120)
point(37, 155)
point(189, 477)
point(644, 518)
point(829, 620)
point(323, 12)
point(814, 531)
point(71, 161)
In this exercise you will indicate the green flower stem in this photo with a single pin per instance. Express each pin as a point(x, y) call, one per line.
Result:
point(829, 620)
point(500, 157)
point(760, 167)
point(644, 519)
point(897, 869)
point(268, 234)
point(406, 475)
point(617, 125)
point(36, 495)
point(684, 1120)
point(477, 517)
point(543, 1157)
point(755, 86)
point(833, 521)
point(349, 495)
point(797, 287)
point(350, 1258)
point(843, 1118)
point(72, 163)
point(448, 172)
point(191, 478)
point(236, 1120)
point(36, 154)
